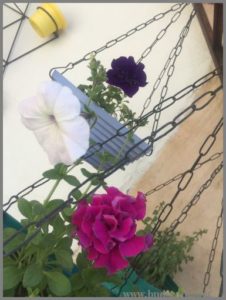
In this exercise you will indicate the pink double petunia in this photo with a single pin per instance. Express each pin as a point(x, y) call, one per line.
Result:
point(106, 228)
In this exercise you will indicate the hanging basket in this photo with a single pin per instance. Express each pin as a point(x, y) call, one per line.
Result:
point(105, 127)
point(142, 286)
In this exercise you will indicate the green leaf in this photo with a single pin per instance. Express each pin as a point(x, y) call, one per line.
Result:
point(77, 281)
point(7, 233)
point(24, 222)
point(86, 173)
point(58, 283)
point(82, 261)
point(33, 293)
point(32, 276)
point(65, 243)
point(76, 194)
point(58, 225)
point(72, 180)
point(64, 257)
point(101, 291)
point(12, 276)
point(52, 174)
point(67, 213)
point(61, 168)
point(49, 241)
point(53, 204)
point(25, 207)
point(37, 239)
point(8, 261)
point(37, 208)
point(9, 293)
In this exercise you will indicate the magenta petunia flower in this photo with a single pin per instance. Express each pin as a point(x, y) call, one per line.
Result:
point(106, 228)
point(127, 75)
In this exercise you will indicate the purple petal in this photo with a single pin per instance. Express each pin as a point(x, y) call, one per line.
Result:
point(99, 246)
point(89, 219)
point(116, 261)
point(99, 199)
point(127, 207)
point(133, 246)
point(141, 77)
point(92, 253)
point(110, 221)
point(119, 62)
point(132, 232)
point(127, 75)
point(100, 231)
point(77, 216)
point(130, 91)
point(101, 261)
point(140, 206)
point(84, 240)
point(113, 192)
point(122, 230)
point(149, 241)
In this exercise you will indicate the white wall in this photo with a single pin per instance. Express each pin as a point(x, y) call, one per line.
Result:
point(91, 26)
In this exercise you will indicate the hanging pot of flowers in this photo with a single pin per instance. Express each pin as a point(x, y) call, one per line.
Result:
point(99, 268)
point(104, 103)
point(69, 122)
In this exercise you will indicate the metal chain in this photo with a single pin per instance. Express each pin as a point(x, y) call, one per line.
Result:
point(183, 214)
point(171, 68)
point(161, 34)
point(173, 124)
point(213, 249)
point(180, 175)
point(188, 175)
point(115, 41)
point(13, 199)
point(169, 65)
point(205, 148)
point(165, 104)
point(195, 199)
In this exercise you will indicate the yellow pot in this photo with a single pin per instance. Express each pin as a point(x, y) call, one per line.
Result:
point(47, 19)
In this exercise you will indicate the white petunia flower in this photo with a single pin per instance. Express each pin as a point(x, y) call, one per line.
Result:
point(54, 117)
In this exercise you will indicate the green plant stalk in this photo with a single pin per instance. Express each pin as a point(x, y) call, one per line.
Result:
point(57, 183)
point(122, 148)
point(52, 191)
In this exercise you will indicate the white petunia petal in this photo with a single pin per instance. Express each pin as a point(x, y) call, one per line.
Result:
point(67, 105)
point(76, 136)
point(50, 138)
point(33, 114)
point(53, 115)
point(49, 90)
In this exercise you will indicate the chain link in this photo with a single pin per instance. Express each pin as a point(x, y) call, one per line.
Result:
point(121, 131)
point(106, 174)
point(170, 63)
point(117, 40)
point(177, 51)
point(161, 34)
point(183, 215)
point(98, 146)
point(213, 249)
point(13, 199)
point(188, 175)
point(180, 175)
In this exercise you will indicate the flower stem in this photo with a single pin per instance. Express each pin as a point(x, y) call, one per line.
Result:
point(52, 191)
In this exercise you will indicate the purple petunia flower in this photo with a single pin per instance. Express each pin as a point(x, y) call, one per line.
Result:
point(127, 75)
point(106, 228)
